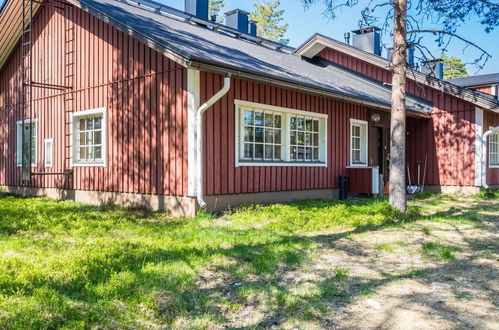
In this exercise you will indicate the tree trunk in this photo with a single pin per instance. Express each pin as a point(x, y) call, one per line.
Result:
point(398, 115)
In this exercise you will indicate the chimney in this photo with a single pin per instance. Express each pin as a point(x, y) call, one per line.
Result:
point(346, 35)
point(410, 56)
point(237, 19)
point(198, 8)
point(433, 68)
point(252, 28)
point(367, 39)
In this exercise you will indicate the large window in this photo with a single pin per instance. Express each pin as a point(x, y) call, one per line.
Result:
point(271, 136)
point(494, 150)
point(89, 131)
point(23, 145)
point(358, 142)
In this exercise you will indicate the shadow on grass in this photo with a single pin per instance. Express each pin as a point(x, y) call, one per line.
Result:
point(166, 280)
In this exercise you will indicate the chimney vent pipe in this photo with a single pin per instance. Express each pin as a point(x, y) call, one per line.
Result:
point(237, 19)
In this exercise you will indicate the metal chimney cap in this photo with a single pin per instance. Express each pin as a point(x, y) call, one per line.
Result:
point(240, 11)
point(366, 30)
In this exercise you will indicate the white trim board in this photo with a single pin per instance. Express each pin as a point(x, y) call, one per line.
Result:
point(193, 100)
point(479, 165)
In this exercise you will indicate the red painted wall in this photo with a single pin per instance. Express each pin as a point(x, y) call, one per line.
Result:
point(447, 138)
point(221, 175)
point(491, 120)
point(484, 89)
point(145, 97)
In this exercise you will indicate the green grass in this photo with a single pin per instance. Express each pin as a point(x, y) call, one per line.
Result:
point(439, 251)
point(70, 265)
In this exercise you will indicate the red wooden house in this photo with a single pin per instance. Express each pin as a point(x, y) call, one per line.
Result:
point(136, 103)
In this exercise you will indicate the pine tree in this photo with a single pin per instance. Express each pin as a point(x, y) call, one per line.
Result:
point(269, 17)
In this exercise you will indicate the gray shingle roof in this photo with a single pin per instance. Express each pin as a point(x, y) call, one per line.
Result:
point(200, 44)
point(476, 80)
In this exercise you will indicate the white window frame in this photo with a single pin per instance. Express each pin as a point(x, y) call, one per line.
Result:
point(74, 137)
point(46, 142)
point(363, 147)
point(285, 136)
point(495, 134)
point(34, 159)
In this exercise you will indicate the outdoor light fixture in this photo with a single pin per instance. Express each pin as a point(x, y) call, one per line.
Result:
point(375, 117)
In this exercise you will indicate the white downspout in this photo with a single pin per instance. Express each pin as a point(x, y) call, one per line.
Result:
point(484, 156)
point(199, 139)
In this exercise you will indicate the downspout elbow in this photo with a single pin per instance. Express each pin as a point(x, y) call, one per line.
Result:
point(199, 139)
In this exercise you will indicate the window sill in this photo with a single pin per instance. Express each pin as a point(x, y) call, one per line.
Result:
point(493, 166)
point(88, 165)
point(281, 164)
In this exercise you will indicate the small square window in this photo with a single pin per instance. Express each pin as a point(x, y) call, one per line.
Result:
point(89, 131)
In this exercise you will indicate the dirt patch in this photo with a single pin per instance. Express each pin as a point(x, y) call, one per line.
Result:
point(440, 272)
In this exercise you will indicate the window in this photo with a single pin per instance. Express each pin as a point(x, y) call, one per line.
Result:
point(272, 136)
point(48, 143)
point(89, 146)
point(262, 135)
point(358, 142)
point(23, 128)
point(494, 150)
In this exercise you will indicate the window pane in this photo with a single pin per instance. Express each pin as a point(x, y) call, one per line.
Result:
point(82, 153)
point(301, 138)
point(316, 140)
point(277, 152)
point(308, 154)
point(293, 153)
point(293, 138)
point(82, 124)
point(277, 136)
point(248, 117)
point(98, 152)
point(300, 123)
point(269, 151)
point(248, 150)
point(308, 124)
point(269, 135)
point(90, 153)
point(90, 123)
point(308, 139)
point(89, 138)
point(258, 119)
point(98, 123)
point(316, 154)
point(356, 143)
point(293, 123)
point(316, 126)
point(277, 121)
point(269, 120)
point(356, 156)
point(258, 134)
point(97, 137)
point(301, 153)
point(248, 134)
point(258, 150)
point(82, 139)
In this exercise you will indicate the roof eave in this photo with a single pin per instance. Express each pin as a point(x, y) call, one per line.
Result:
point(307, 49)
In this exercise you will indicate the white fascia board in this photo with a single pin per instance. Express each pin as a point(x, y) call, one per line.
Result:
point(479, 159)
point(193, 99)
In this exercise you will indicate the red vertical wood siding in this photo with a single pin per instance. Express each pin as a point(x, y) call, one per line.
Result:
point(484, 89)
point(360, 180)
point(221, 175)
point(143, 91)
point(447, 138)
point(491, 120)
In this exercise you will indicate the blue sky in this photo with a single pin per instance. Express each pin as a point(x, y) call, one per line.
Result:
point(303, 23)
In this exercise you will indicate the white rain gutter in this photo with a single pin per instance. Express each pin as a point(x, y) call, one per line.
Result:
point(199, 139)
point(484, 156)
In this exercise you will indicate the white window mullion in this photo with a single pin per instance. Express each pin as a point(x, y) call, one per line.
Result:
point(286, 137)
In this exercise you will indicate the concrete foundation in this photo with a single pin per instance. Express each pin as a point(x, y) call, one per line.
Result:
point(453, 190)
point(218, 203)
point(178, 206)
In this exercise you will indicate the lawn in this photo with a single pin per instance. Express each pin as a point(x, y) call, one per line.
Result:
point(300, 265)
